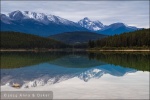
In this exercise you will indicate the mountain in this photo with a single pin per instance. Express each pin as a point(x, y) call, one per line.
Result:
point(77, 37)
point(91, 25)
point(16, 40)
point(37, 23)
point(117, 28)
point(46, 24)
point(40, 17)
point(98, 27)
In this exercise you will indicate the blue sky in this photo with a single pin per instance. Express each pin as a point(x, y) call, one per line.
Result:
point(134, 13)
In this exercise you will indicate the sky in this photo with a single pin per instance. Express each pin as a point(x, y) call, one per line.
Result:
point(133, 13)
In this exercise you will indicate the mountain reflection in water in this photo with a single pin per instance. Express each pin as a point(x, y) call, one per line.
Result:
point(52, 68)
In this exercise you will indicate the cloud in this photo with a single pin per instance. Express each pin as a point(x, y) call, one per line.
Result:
point(130, 12)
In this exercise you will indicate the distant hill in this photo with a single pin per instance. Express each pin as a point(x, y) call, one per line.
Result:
point(77, 37)
point(140, 38)
point(11, 40)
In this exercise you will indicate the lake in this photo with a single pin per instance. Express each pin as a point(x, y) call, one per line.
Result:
point(78, 75)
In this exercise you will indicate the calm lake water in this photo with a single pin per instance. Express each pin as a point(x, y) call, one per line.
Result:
point(78, 74)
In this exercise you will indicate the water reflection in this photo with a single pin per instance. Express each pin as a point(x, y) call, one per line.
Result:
point(136, 60)
point(38, 69)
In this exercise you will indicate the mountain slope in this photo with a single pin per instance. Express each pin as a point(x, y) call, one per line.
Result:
point(76, 37)
point(16, 40)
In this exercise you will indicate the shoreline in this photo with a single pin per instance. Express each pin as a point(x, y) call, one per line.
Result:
point(24, 50)
point(39, 50)
point(125, 50)
point(47, 50)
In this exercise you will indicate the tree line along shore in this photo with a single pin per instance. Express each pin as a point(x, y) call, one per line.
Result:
point(132, 41)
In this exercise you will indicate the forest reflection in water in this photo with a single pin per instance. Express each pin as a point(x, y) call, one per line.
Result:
point(135, 60)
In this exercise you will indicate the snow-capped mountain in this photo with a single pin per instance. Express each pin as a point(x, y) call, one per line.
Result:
point(91, 25)
point(41, 17)
point(37, 23)
point(46, 24)
point(98, 27)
